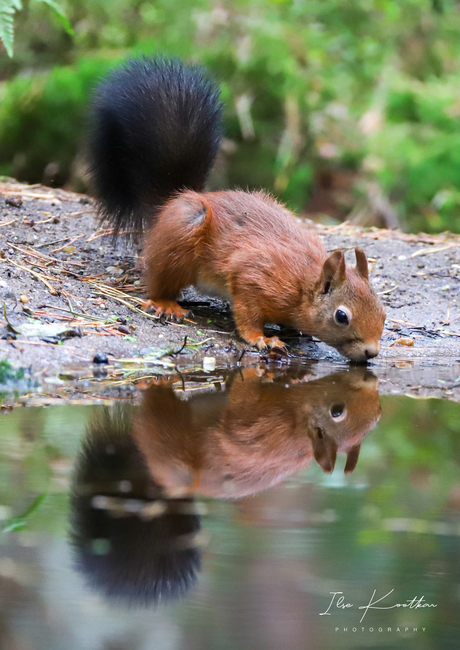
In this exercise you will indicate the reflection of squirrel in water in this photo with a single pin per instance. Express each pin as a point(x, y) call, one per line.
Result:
point(255, 434)
point(133, 524)
point(156, 131)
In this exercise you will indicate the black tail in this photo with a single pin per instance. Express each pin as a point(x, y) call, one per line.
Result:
point(156, 129)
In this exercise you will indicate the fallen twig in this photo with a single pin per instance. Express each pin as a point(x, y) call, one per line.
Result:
point(70, 311)
point(103, 290)
point(429, 251)
point(53, 291)
point(77, 214)
point(51, 243)
point(69, 243)
point(447, 333)
point(31, 195)
point(181, 348)
point(109, 231)
point(54, 345)
point(46, 258)
point(147, 360)
point(384, 293)
point(38, 223)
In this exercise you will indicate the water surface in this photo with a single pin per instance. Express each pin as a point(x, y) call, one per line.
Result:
point(226, 511)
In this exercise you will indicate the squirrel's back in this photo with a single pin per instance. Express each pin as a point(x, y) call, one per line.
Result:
point(156, 130)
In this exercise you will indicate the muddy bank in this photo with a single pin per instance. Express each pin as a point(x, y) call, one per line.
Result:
point(69, 294)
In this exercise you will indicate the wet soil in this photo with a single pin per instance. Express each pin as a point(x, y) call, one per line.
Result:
point(58, 267)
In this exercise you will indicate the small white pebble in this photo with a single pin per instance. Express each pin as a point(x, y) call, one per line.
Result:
point(402, 257)
point(209, 364)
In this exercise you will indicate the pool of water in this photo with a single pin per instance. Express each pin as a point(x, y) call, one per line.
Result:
point(246, 509)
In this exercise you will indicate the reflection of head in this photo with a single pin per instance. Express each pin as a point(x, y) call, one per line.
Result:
point(260, 430)
point(345, 408)
point(132, 544)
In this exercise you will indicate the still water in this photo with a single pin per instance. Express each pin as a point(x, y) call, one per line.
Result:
point(240, 511)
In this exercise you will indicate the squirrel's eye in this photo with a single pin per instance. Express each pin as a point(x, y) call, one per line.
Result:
point(337, 410)
point(341, 317)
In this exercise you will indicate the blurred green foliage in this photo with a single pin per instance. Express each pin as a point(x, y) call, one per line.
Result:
point(8, 9)
point(327, 101)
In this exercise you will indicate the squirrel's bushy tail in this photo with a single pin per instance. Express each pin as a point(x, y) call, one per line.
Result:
point(156, 130)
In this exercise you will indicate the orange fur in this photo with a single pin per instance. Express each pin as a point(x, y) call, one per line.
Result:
point(256, 433)
point(251, 249)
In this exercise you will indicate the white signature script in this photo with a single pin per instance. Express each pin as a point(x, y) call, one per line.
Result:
point(340, 603)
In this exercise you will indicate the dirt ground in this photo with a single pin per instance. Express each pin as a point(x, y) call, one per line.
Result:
point(69, 295)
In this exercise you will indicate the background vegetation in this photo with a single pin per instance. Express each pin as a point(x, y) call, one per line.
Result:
point(344, 108)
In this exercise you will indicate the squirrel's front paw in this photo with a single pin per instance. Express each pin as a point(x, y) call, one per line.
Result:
point(272, 343)
point(166, 310)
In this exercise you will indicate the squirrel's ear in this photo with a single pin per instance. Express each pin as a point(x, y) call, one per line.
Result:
point(361, 264)
point(352, 458)
point(324, 451)
point(333, 272)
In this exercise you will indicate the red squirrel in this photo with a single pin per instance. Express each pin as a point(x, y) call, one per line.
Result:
point(156, 129)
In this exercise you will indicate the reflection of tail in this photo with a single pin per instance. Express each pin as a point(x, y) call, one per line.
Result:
point(131, 543)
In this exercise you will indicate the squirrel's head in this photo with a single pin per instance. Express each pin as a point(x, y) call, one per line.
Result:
point(348, 314)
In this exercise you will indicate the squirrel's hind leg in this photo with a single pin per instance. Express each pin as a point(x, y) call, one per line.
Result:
point(164, 284)
point(172, 253)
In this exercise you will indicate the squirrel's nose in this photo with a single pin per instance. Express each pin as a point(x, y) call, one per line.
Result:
point(371, 350)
